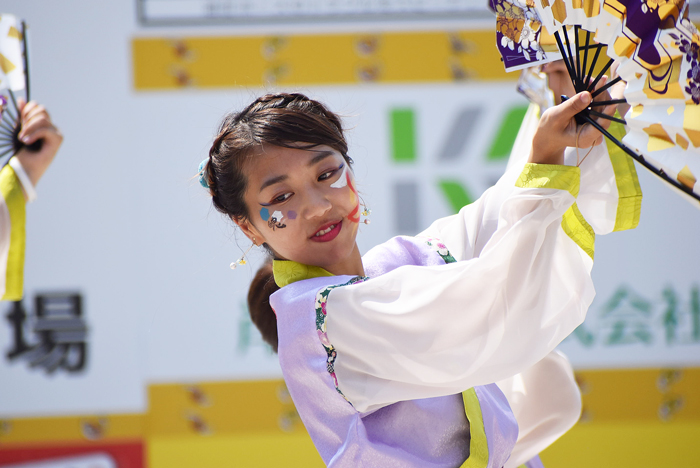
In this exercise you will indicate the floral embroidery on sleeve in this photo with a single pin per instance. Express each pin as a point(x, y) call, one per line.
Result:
point(321, 315)
point(440, 248)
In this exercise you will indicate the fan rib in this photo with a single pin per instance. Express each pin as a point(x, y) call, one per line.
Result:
point(7, 152)
point(607, 103)
point(606, 86)
point(582, 72)
point(5, 133)
point(574, 77)
point(5, 124)
point(591, 87)
point(590, 70)
point(26, 61)
point(14, 103)
point(640, 159)
point(10, 115)
point(564, 56)
point(8, 125)
point(606, 116)
point(578, 57)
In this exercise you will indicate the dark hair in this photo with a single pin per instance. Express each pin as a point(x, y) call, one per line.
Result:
point(286, 120)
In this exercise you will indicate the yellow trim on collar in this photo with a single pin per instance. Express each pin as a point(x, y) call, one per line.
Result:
point(550, 176)
point(287, 272)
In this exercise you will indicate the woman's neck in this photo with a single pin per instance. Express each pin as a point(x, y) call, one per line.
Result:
point(351, 266)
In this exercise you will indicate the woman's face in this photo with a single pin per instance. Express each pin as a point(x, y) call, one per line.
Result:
point(559, 80)
point(303, 204)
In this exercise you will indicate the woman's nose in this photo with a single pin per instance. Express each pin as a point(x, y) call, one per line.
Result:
point(317, 204)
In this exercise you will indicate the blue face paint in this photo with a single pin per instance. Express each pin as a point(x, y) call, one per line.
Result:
point(264, 214)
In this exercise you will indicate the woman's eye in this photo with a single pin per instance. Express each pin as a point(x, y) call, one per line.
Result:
point(329, 174)
point(326, 175)
point(282, 198)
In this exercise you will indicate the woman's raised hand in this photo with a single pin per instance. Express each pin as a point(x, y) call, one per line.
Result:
point(37, 125)
point(558, 129)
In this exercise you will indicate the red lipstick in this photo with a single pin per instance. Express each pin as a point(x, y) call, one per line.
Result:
point(328, 232)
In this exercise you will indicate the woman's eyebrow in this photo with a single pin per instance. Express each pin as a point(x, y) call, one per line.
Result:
point(272, 181)
point(320, 156)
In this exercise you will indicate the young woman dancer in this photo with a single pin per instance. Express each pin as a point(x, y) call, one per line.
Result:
point(392, 358)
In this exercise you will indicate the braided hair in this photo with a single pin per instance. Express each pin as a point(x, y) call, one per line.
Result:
point(289, 120)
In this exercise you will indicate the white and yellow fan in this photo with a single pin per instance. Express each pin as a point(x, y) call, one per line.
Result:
point(658, 50)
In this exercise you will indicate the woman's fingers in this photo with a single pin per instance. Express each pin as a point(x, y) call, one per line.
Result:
point(567, 110)
point(588, 135)
point(557, 130)
point(34, 116)
point(36, 130)
point(32, 113)
point(37, 125)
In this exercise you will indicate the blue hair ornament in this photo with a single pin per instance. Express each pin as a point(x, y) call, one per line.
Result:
point(202, 174)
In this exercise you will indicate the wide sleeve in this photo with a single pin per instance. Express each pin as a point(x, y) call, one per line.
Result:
point(546, 402)
point(15, 189)
point(425, 331)
point(611, 197)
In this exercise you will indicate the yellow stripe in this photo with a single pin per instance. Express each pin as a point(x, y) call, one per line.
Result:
point(625, 445)
point(233, 409)
point(221, 408)
point(629, 206)
point(641, 395)
point(390, 57)
point(550, 176)
point(252, 450)
point(578, 229)
point(14, 199)
point(478, 445)
point(71, 429)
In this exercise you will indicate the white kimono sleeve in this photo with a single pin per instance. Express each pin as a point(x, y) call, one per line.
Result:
point(546, 402)
point(610, 198)
point(15, 188)
point(424, 331)
point(545, 398)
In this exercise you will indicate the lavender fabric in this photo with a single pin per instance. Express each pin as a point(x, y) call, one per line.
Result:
point(534, 462)
point(499, 424)
point(427, 433)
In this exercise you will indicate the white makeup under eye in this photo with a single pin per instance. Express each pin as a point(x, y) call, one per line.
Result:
point(342, 180)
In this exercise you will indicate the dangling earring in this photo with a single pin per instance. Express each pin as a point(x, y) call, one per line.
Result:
point(366, 212)
point(242, 260)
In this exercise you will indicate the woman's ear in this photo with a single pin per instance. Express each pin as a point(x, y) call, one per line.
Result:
point(250, 231)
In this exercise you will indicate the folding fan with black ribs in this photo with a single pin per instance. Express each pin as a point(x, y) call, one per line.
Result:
point(14, 80)
point(658, 50)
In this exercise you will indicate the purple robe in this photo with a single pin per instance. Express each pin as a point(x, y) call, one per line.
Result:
point(426, 433)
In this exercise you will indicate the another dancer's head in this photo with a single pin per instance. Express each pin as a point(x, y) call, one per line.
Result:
point(558, 80)
point(280, 170)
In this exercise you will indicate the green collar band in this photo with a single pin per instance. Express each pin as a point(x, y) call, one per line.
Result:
point(287, 272)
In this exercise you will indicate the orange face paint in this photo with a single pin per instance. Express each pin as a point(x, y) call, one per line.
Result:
point(354, 215)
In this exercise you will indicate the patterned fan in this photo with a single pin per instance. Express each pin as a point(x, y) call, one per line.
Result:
point(657, 48)
point(14, 77)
